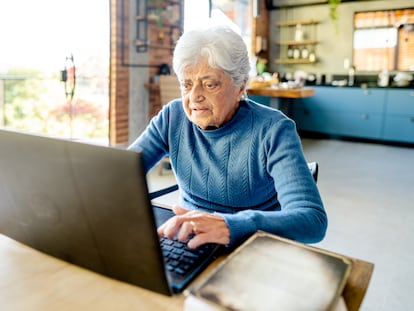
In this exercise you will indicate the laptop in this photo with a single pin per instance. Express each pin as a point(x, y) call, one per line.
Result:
point(88, 205)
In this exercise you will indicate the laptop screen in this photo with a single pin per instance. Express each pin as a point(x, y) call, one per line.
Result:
point(85, 204)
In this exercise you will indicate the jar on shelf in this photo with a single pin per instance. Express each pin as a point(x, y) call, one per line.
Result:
point(304, 53)
point(290, 51)
point(296, 52)
point(298, 33)
point(312, 56)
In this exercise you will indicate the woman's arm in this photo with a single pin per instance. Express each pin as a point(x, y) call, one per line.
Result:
point(300, 214)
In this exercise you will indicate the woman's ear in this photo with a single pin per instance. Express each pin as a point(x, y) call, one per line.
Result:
point(242, 90)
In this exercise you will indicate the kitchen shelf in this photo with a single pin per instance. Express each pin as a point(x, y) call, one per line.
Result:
point(294, 23)
point(293, 42)
point(287, 41)
point(291, 61)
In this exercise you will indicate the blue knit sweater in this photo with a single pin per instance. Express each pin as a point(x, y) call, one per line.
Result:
point(252, 171)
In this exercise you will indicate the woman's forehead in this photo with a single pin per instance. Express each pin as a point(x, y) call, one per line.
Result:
point(202, 71)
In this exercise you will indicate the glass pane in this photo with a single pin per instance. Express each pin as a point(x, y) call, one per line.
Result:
point(384, 40)
point(37, 39)
point(374, 49)
point(234, 13)
point(406, 48)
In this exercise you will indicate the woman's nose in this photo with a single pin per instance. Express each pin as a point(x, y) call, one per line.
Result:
point(197, 93)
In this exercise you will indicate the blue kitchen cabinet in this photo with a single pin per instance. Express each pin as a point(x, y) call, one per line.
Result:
point(354, 112)
point(399, 116)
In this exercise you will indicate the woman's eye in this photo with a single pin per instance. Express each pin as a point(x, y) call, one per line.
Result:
point(211, 85)
point(185, 86)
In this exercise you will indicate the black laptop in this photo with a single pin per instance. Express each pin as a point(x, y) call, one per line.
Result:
point(89, 205)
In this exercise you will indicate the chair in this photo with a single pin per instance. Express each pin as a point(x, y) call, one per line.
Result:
point(314, 169)
point(169, 90)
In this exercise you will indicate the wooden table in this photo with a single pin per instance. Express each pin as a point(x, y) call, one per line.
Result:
point(286, 96)
point(282, 93)
point(31, 280)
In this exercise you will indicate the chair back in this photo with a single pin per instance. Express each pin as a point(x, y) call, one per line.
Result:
point(314, 169)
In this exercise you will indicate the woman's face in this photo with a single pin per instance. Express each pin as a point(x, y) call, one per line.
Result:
point(209, 97)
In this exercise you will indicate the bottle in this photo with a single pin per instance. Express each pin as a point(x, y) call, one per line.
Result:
point(312, 57)
point(304, 53)
point(296, 53)
point(298, 33)
point(289, 52)
point(384, 78)
point(351, 76)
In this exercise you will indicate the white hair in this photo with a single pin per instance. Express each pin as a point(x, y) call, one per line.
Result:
point(222, 47)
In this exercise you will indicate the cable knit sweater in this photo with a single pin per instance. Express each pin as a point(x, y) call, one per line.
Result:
point(252, 170)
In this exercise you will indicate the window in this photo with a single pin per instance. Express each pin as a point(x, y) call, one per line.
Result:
point(234, 13)
point(384, 40)
point(38, 38)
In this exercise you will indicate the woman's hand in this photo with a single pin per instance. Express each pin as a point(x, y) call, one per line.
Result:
point(200, 227)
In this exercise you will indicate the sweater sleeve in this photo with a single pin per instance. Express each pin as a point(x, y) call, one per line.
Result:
point(301, 215)
point(153, 142)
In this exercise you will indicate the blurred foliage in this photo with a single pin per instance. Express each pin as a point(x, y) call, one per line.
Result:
point(38, 104)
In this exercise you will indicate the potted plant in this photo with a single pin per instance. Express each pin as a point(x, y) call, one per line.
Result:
point(333, 11)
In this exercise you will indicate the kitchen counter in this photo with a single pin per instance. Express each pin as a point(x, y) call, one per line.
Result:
point(364, 86)
point(364, 81)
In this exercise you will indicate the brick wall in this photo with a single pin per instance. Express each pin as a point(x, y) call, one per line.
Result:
point(159, 52)
point(119, 76)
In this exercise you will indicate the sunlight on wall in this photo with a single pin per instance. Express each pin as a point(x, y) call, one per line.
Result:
point(196, 15)
point(40, 34)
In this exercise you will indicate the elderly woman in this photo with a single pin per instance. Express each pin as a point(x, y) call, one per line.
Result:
point(239, 165)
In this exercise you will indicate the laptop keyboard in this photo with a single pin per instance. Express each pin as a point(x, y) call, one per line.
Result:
point(182, 263)
point(181, 259)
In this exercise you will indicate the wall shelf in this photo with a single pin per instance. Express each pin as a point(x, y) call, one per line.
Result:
point(294, 23)
point(293, 42)
point(297, 42)
point(291, 61)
